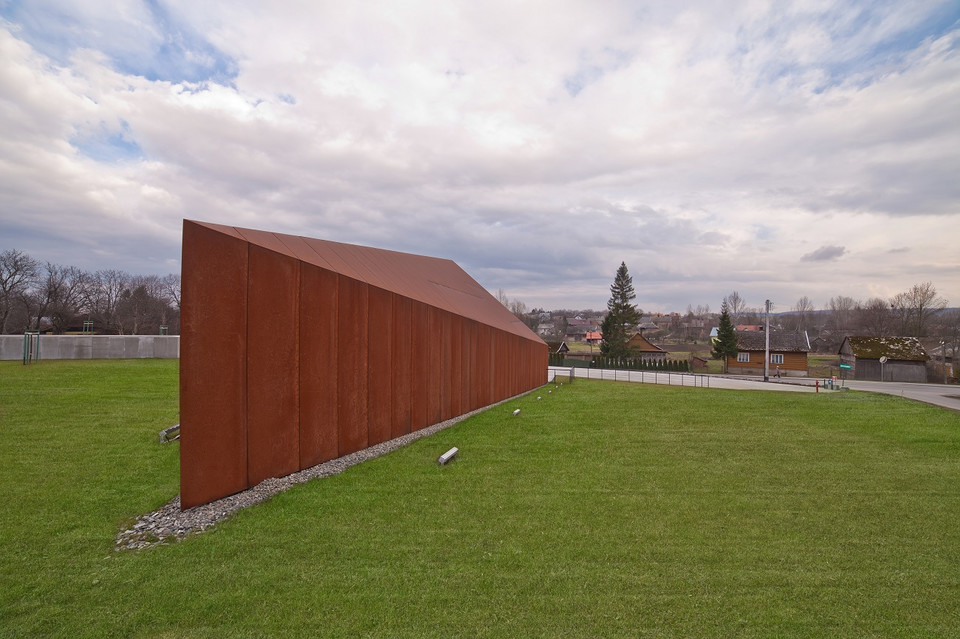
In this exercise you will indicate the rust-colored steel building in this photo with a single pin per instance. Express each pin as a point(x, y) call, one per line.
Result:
point(295, 351)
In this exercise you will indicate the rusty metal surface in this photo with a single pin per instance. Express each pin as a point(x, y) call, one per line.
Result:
point(213, 360)
point(273, 350)
point(352, 365)
point(298, 350)
point(435, 281)
point(420, 367)
point(402, 365)
point(468, 364)
point(433, 385)
point(454, 345)
point(318, 365)
point(379, 370)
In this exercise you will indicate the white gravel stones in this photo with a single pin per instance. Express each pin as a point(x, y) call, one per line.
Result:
point(169, 523)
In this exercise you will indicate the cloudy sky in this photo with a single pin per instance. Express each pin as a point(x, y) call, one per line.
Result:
point(779, 149)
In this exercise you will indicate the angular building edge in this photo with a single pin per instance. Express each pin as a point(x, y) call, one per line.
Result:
point(295, 351)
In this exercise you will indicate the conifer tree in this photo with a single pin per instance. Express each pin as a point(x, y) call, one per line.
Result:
point(726, 343)
point(622, 315)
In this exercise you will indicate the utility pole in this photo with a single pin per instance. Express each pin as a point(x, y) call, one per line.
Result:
point(943, 359)
point(766, 349)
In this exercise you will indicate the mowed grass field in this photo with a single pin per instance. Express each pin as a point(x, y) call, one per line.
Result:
point(603, 510)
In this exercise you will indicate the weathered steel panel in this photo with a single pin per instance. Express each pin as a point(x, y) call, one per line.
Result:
point(352, 365)
point(325, 255)
point(484, 366)
point(318, 365)
point(213, 360)
point(273, 348)
point(402, 365)
point(468, 371)
point(455, 344)
point(444, 338)
point(434, 358)
point(437, 282)
point(379, 364)
point(377, 344)
point(420, 367)
point(299, 248)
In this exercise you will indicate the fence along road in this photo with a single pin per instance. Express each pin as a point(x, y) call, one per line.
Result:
point(673, 379)
point(936, 394)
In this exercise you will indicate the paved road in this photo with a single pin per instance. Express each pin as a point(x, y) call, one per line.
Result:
point(936, 394)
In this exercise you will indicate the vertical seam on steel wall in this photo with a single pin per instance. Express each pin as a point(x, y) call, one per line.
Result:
point(296, 350)
point(246, 369)
point(336, 342)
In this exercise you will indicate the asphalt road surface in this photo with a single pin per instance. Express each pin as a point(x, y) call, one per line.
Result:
point(936, 394)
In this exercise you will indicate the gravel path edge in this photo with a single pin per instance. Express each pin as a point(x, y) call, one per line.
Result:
point(169, 523)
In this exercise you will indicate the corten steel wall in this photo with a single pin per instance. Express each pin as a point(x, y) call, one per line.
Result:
point(295, 351)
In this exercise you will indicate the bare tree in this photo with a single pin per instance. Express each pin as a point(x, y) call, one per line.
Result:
point(17, 271)
point(803, 308)
point(914, 308)
point(143, 307)
point(102, 294)
point(56, 296)
point(950, 331)
point(736, 305)
point(924, 304)
point(900, 312)
point(171, 287)
point(518, 308)
point(841, 313)
point(874, 317)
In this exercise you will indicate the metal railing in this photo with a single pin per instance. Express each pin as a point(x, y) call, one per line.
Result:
point(640, 377)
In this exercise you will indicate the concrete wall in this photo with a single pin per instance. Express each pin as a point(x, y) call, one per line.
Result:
point(95, 346)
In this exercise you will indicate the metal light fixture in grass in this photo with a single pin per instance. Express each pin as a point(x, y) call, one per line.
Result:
point(448, 456)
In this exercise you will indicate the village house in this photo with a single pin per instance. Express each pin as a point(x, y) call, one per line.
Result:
point(578, 327)
point(887, 359)
point(788, 353)
point(641, 347)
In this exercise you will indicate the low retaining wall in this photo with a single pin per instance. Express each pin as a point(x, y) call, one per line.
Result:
point(95, 347)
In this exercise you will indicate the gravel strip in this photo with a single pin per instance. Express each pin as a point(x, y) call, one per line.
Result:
point(169, 523)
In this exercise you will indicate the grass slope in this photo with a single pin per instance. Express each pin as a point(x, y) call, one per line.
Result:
point(603, 510)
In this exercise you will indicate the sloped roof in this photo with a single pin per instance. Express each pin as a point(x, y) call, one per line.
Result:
point(902, 348)
point(781, 341)
point(434, 281)
point(640, 343)
point(558, 347)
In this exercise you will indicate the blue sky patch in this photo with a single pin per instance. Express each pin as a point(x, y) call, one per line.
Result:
point(153, 44)
point(108, 146)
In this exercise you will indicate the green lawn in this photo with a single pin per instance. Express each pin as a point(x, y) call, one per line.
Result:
point(603, 510)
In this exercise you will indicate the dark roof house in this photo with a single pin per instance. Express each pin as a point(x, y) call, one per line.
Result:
point(788, 353)
point(645, 349)
point(888, 359)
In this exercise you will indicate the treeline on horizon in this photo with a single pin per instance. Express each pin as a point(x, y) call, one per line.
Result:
point(49, 297)
point(917, 312)
point(55, 298)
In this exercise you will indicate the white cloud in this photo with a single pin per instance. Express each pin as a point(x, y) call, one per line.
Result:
point(710, 148)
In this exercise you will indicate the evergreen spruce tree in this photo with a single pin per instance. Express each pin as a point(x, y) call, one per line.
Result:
point(726, 343)
point(622, 315)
